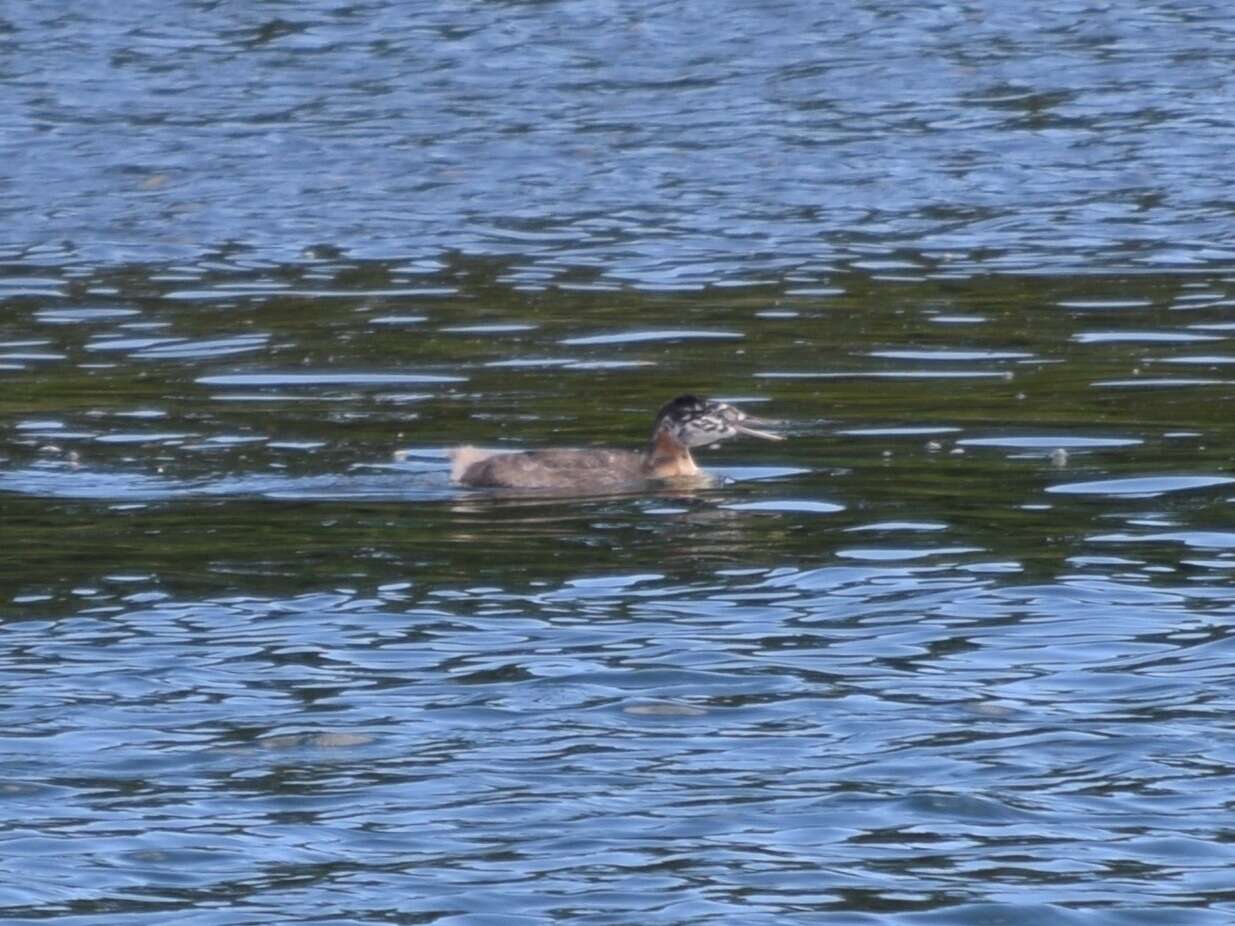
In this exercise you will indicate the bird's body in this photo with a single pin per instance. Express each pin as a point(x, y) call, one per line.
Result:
point(681, 424)
point(548, 469)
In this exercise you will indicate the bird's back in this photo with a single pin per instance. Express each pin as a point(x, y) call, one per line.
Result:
point(548, 469)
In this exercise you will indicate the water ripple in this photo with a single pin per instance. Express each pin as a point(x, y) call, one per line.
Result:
point(1140, 485)
point(325, 378)
point(1057, 142)
point(589, 748)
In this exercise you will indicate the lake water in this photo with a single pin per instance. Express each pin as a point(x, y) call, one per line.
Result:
point(957, 652)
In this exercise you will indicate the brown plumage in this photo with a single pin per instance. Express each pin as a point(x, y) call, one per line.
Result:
point(681, 424)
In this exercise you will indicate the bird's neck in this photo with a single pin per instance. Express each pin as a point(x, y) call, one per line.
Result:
point(667, 457)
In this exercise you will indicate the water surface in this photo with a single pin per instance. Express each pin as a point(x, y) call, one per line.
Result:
point(661, 145)
point(946, 652)
point(954, 653)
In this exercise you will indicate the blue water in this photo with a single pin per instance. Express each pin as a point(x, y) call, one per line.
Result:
point(956, 652)
point(650, 144)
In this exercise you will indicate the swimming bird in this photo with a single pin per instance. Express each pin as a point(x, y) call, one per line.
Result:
point(681, 424)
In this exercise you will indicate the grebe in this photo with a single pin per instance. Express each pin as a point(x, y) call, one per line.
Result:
point(681, 424)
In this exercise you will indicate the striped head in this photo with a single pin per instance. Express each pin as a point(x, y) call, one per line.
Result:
point(694, 422)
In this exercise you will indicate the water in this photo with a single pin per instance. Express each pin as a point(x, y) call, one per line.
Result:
point(649, 144)
point(956, 652)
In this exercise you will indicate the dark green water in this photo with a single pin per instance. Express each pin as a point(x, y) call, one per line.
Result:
point(207, 433)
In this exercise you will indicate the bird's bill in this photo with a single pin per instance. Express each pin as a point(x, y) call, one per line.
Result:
point(742, 428)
